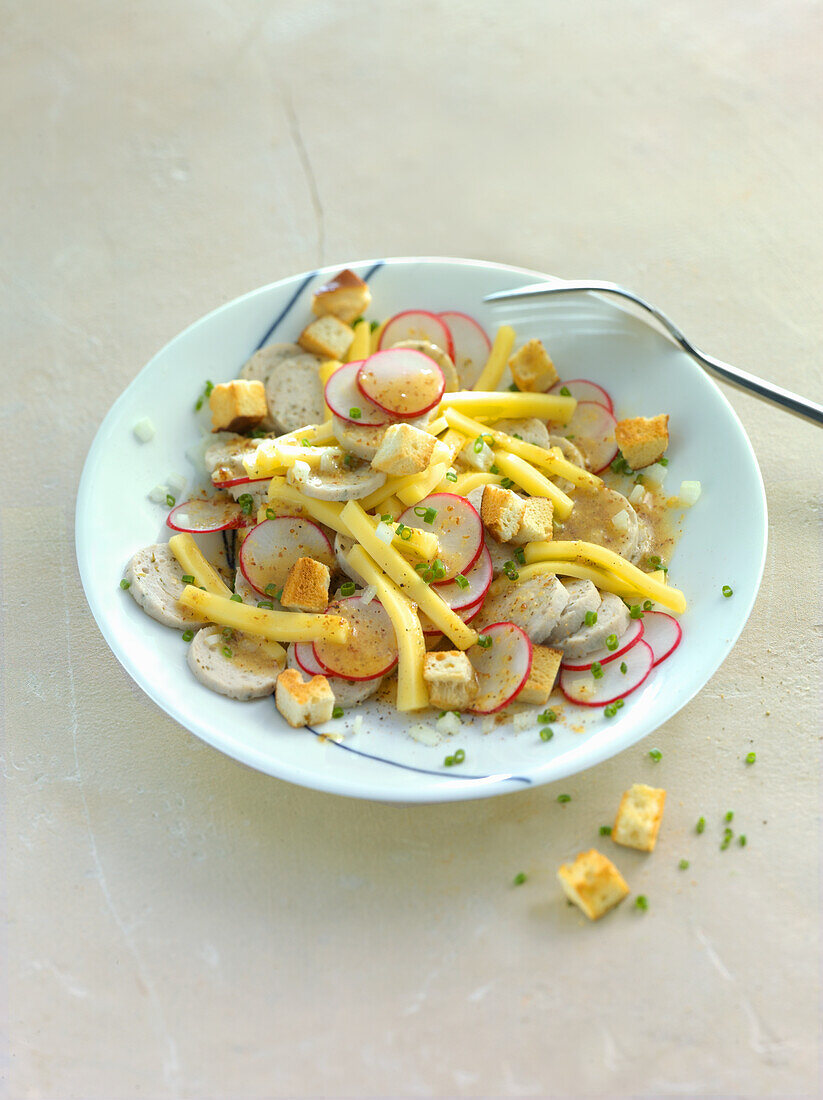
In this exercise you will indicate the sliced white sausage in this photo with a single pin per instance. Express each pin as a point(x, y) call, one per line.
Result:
point(612, 618)
point(583, 597)
point(224, 458)
point(341, 485)
point(358, 439)
point(605, 517)
point(294, 393)
point(238, 665)
point(156, 582)
point(572, 453)
point(263, 362)
point(443, 360)
point(530, 430)
point(535, 605)
point(342, 545)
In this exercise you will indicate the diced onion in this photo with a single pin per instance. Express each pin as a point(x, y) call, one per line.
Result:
point(426, 735)
point(368, 594)
point(298, 473)
point(144, 430)
point(176, 483)
point(384, 532)
point(328, 463)
point(620, 522)
point(690, 493)
point(523, 721)
point(449, 723)
point(158, 494)
point(637, 494)
point(478, 460)
point(655, 473)
point(357, 724)
point(214, 640)
point(488, 725)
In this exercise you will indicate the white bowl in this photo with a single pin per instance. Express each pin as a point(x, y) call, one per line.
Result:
point(723, 542)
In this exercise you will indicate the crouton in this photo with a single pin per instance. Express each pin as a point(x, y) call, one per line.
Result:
point(545, 666)
point(345, 296)
point(404, 450)
point(451, 680)
point(638, 817)
point(477, 454)
point(237, 406)
point(536, 523)
point(593, 883)
point(303, 704)
point(642, 439)
point(327, 336)
point(307, 586)
point(502, 512)
point(532, 369)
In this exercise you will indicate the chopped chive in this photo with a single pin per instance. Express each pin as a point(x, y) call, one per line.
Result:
point(236, 598)
point(209, 388)
point(597, 670)
point(355, 413)
point(347, 589)
point(461, 581)
point(348, 460)
point(494, 468)
point(520, 555)
point(386, 518)
point(374, 326)
point(513, 388)
point(564, 798)
point(610, 710)
point(227, 652)
point(611, 643)
point(547, 716)
point(227, 631)
point(741, 840)
point(305, 442)
point(729, 815)
point(428, 515)
point(591, 618)
point(187, 578)
point(635, 611)
point(750, 756)
point(519, 879)
point(422, 567)
point(565, 391)
point(727, 591)
point(510, 570)
point(246, 502)
point(605, 830)
point(403, 531)
point(271, 514)
point(484, 641)
point(656, 755)
point(257, 433)
point(188, 635)
point(728, 835)
point(641, 902)
point(271, 588)
point(624, 668)
point(170, 500)
point(547, 733)
point(337, 712)
point(684, 865)
point(507, 483)
point(198, 405)
point(654, 561)
point(451, 475)
point(701, 825)
point(478, 445)
point(663, 461)
point(459, 756)
point(647, 605)
point(124, 584)
point(266, 604)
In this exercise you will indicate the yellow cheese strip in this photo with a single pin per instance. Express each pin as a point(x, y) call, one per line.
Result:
point(375, 499)
point(438, 426)
point(275, 626)
point(361, 344)
point(375, 337)
point(288, 454)
point(410, 582)
point(418, 486)
point(193, 564)
point(535, 483)
point(607, 582)
point(577, 550)
point(264, 461)
point(498, 357)
point(466, 482)
point(411, 647)
point(495, 406)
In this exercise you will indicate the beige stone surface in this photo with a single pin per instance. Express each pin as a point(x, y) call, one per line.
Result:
point(179, 926)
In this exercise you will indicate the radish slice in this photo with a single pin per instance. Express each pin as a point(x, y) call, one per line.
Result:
point(583, 390)
point(207, 515)
point(662, 634)
point(582, 688)
point(371, 647)
point(471, 346)
point(234, 481)
point(503, 668)
point(417, 324)
point(401, 381)
point(465, 613)
point(465, 602)
point(458, 527)
point(273, 546)
point(603, 656)
point(342, 395)
point(304, 655)
point(592, 430)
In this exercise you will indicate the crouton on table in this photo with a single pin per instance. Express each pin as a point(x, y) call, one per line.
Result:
point(593, 883)
point(638, 817)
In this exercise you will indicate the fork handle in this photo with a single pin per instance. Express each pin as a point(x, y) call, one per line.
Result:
point(768, 391)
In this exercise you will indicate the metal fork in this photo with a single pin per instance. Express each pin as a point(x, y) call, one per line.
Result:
point(768, 391)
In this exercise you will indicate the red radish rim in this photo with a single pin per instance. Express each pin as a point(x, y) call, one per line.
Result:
point(458, 607)
point(340, 675)
point(230, 484)
point(238, 521)
point(426, 502)
point(370, 420)
point(430, 363)
point(677, 640)
point(635, 625)
point(487, 630)
point(608, 403)
point(621, 695)
point(319, 671)
point(419, 313)
point(465, 317)
point(273, 519)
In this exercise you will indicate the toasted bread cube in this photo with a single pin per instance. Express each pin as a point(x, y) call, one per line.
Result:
point(237, 406)
point(593, 883)
point(478, 457)
point(642, 439)
point(345, 296)
point(307, 586)
point(327, 337)
point(638, 817)
point(545, 666)
point(502, 512)
point(532, 369)
point(536, 524)
point(451, 680)
point(404, 450)
point(300, 703)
